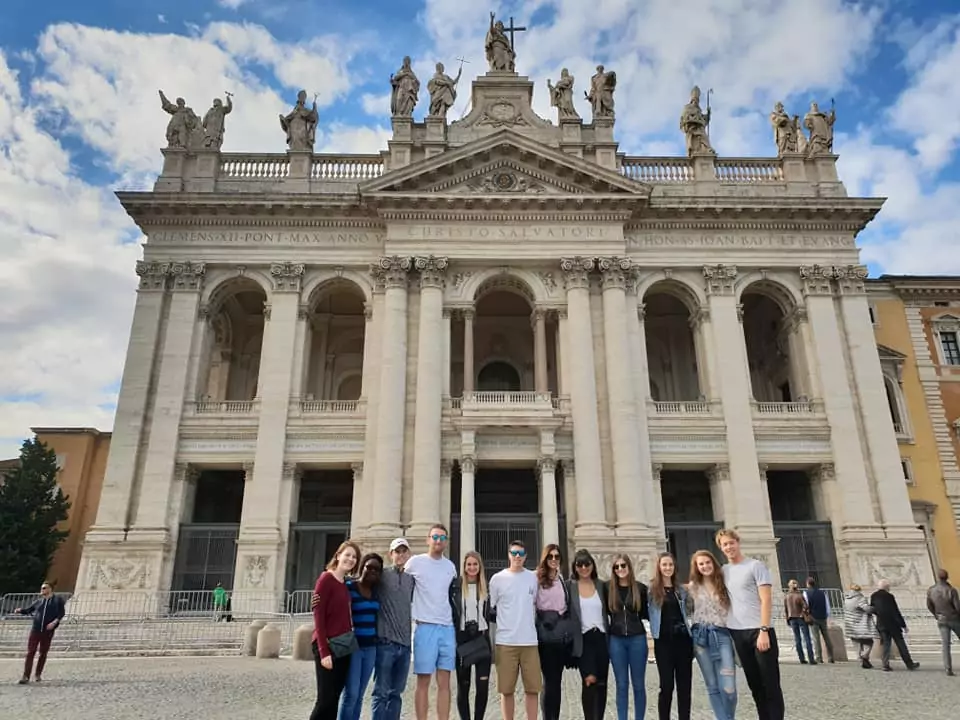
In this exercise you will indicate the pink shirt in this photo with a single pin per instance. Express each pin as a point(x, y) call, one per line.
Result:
point(552, 598)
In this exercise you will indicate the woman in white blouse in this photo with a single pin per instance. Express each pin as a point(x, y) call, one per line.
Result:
point(470, 603)
point(588, 600)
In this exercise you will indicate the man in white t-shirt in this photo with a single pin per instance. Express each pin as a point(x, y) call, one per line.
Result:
point(434, 638)
point(749, 586)
point(513, 594)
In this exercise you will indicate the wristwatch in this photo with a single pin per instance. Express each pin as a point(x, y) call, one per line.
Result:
point(764, 628)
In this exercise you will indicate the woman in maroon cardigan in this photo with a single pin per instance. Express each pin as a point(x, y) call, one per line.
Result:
point(333, 640)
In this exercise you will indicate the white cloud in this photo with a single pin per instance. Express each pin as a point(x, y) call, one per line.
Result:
point(376, 105)
point(232, 4)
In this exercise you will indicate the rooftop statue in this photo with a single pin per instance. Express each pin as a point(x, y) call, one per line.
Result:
point(184, 131)
point(405, 90)
point(213, 122)
point(300, 124)
point(443, 91)
point(694, 123)
point(820, 125)
point(499, 49)
point(602, 85)
point(786, 130)
point(561, 96)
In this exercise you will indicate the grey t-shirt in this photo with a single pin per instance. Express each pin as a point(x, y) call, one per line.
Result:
point(396, 593)
point(743, 581)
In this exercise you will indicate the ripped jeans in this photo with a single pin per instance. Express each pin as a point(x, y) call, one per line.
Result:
point(713, 648)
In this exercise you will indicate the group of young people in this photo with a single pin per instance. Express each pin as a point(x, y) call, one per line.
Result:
point(532, 625)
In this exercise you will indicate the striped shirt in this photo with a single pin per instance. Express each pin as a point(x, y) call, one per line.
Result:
point(365, 611)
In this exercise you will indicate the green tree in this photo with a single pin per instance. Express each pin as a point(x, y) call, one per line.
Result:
point(31, 507)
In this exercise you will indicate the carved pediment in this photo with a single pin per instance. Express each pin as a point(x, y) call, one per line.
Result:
point(504, 163)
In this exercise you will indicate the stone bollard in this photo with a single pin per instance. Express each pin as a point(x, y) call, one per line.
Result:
point(839, 644)
point(302, 642)
point(250, 638)
point(268, 642)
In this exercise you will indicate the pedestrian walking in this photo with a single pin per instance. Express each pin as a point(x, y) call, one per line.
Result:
point(859, 624)
point(48, 611)
point(672, 644)
point(891, 625)
point(470, 602)
point(796, 613)
point(943, 603)
point(627, 608)
point(819, 621)
point(712, 642)
point(364, 609)
point(393, 634)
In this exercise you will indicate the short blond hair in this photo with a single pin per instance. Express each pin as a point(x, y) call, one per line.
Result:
point(726, 532)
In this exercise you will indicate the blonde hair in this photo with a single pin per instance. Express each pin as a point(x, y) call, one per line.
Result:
point(481, 576)
point(726, 532)
point(855, 587)
point(699, 579)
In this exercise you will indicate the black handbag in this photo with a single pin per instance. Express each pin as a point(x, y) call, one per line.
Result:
point(473, 651)
point(554, 628)
point(343, 645)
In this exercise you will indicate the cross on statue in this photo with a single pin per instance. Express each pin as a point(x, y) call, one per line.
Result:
point(511, 29)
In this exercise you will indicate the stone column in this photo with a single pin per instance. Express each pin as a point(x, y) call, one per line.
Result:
point(468, 505)
point(468, 377)
point(849, 460)
point(388, 484)
point(361, 499)
point(560, 349)
point(883, 451)
point(300, 353)
point(113, 514)
point(706, 361)
point(260, 545)
point(446, 353)
point(540, 350)
point(747, 513)
point(801, 344)
point(591, 513)
point(429, 408)
point(158, 467)
point(621, 400)
point(362, 514)
point(548, 500)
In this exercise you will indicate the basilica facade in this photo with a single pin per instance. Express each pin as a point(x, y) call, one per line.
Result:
point(504, 324)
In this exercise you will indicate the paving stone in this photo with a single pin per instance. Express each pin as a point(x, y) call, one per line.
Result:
point(240, 688)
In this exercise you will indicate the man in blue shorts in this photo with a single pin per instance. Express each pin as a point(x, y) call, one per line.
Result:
point(434, 638)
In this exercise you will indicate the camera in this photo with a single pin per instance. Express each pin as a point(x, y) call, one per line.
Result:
point(471, 628)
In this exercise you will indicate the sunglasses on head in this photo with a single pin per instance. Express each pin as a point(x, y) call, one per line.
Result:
point(438, 538)
point(518, 553)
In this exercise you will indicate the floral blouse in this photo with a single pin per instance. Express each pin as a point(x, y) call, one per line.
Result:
point(707, 609)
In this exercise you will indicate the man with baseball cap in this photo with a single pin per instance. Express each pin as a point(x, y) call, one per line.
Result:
point(393, 634)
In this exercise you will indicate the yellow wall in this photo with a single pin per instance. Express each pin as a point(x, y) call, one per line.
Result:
point(892, 331)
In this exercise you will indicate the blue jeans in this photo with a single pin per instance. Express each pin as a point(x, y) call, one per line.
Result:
point(719, 671)
point(800, 629)
point(361, 668)
point(393, 669)
point(628, 655)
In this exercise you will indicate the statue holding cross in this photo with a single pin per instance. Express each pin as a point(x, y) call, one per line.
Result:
point(499, 48)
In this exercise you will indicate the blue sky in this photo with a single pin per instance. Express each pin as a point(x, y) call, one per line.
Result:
point(79, 117)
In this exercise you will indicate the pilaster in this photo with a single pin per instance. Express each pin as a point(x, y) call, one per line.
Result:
point(361, 516)
point(547, 467)
point(468, 505)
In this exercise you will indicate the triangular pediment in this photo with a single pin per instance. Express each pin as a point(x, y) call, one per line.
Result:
point(505, 164)
point(887, 353)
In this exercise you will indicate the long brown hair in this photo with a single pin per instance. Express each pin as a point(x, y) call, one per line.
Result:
point(613, 594)
point(698, 578)
point(335, 560)
point(657, 593)
point(543, 569)
point(481, 577)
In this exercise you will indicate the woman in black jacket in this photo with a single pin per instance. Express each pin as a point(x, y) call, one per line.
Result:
point(627, 609)
point(470, 603)
point(588, 606)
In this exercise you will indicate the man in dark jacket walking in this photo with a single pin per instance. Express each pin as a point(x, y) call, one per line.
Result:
point(944, 604)
point(891, 625)
point(819, 606)
point(47, 613)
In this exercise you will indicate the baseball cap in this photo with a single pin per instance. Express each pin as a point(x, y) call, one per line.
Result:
point(399, 543)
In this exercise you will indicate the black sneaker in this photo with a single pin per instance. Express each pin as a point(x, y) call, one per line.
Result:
point(37, 679)
point(887, 668)
point(24, 680)
point(949, 673)
point(913, 666)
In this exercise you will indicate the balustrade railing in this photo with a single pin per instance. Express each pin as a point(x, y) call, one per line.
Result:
point(507, 397)
point(748, 170)
point(224, 407)
point(784, 408)
point(346, 167)
point(658, 170)
point(683, 407)
point(329, 407)
point(237, 166)
point(254, 167)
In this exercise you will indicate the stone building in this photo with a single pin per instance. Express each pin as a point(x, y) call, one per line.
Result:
point(505, 324)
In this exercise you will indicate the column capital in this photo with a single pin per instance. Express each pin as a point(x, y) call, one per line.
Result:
point(763, 467)
point(290, 472)
point(699, 317)
point(817, 279)
point(850, 279)
point(432, 269)
point(286, 276)
point(266, 310)
point(447, 312)
point(247, 471)
point(468, 463)
point(615, 272)
point(657, 468)
point(569, 466)
point(467, 313)
point(576, 272)
point(187, 275)
point(561, 313)
point(392, 270)
point(798, 316)
point(185, 472)
point(357, 469)
point(446, 466)
point(826, 472)
point(547, 464)
point(153, 275)
point(303, 312)
point(539, 314)
point(719, 472)
point(719, 279)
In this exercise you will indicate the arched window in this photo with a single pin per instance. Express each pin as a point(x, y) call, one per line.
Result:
point(498, 376)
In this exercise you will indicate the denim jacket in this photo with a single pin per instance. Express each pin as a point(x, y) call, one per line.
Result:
point(656, 612)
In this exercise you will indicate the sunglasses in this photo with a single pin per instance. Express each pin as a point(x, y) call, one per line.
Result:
point(620, 566)
point(438, 538)
point(553, 556)
point(518, 553)
point(583, 564)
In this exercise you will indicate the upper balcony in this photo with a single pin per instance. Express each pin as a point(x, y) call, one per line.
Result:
point(507, 408)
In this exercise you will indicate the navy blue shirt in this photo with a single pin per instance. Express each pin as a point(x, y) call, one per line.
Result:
point(365, 611)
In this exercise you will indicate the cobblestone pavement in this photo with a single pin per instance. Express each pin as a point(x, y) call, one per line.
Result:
point(238, 688)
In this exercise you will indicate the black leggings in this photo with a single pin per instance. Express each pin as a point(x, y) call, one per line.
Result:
point(463, 689)
point(329, 686)
point(595, 661)
point(674, 654)
point(552, 661)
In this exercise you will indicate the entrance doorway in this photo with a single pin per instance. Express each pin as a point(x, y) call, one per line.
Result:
point(687, 515)
point(324, 507)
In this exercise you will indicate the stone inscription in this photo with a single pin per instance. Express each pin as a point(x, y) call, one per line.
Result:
point(510, 232)
point(708, 240)
point(345, 238)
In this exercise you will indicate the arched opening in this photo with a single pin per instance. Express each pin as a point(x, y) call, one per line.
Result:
point(498, 375)
point(333, 361)
point(234, 343)
point(769, 342)
point(671, 348)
